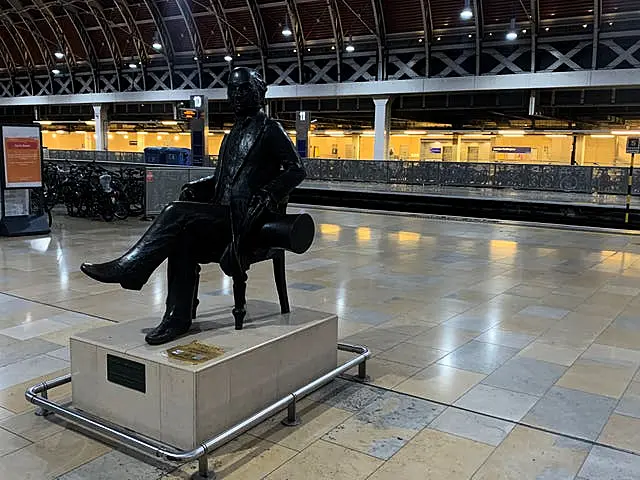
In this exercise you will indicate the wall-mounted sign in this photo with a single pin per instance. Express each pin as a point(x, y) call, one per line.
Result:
point(188, 113)
point(633, 145)
point(22, 154)
point(512, 149)
point(436, 150)
point(197, 101)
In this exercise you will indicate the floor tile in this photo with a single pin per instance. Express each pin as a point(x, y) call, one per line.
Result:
point(544, 312)
point(622, 432)
point(319, 462)
point(572, 412)
point(12, 398)
point(435, 455)
point(531, 454)
point(440, 383)
point(346, 395)
point(497, 402)
point(22, 350)
point(114, 465)
point(33, 367)
point(607, 464)
point(478, 357)
point(33, 427)
point(52, 456)
point(33, 329)
point(384, 426)
point(412, 354)
point(479, 428)
point(599, 378)
point(629, 404)
point(525, 375)
point(474, 323)
point(377, 339)
point(246, 457)
point(317, 419)
point(444, 338)
point(383, 373)
point(551, 353)
point(506, 338)
point(61, 353)
point(614, 355)
point(10, 442)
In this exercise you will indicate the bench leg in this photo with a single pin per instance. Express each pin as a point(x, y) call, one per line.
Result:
point(240, 300)
point(281, 282)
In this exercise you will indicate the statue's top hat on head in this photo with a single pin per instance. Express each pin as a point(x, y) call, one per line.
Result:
point(246, 91)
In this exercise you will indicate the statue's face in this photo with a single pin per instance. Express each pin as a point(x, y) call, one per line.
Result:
point(243, 95)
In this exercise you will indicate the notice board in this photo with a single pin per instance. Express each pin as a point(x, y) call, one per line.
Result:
point(22, 157)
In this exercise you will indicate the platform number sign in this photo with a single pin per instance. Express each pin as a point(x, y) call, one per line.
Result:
point(633, 145)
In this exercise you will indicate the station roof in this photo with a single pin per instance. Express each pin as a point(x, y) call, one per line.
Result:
point(126, 31)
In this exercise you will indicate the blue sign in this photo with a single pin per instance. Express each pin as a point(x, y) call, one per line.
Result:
point(435, 149)
point(512, 149)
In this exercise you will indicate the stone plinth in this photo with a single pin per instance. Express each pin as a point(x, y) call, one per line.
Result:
point(118, 377)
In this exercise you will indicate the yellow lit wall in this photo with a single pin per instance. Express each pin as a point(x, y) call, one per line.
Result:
point(589, 151)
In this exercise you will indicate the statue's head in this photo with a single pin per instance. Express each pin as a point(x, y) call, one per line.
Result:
point(246, 91)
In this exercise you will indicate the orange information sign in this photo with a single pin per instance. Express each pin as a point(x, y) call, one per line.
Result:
point(22, 157)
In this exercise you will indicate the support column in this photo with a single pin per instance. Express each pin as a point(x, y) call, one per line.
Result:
point(382, 128)
point(200, 131)
point(303, 125)
point(102, 127)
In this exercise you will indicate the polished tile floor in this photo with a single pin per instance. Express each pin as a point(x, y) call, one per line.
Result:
point(500, 352)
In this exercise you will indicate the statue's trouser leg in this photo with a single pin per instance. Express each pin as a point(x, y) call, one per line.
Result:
point(165, 234)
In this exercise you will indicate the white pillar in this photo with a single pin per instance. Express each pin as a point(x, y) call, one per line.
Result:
point(382, 127)
point(102, 127)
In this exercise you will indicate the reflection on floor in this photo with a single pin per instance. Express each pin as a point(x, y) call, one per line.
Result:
point(500, 352)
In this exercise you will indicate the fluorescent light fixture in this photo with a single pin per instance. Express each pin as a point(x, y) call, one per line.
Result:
point(162, 133)
point(184, 133)
point(556, 135)
point(415, 132)
point(512, 132)
point(156, 45)
point(133, 66)
point(598, 135)
point(228, 58)
point(286, 31)
point(350, 48)
point(44, 122)
point(625, 132)
point(55, 71)
point(61, 132)
point(169, 122)
point(143, 133)
point(477, 135)
point(59, 55)
point(512, 34)
point(121, 133)
point(466, 13)
point(90, 122)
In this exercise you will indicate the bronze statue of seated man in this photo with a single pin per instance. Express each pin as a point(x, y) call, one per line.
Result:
point(216, 217)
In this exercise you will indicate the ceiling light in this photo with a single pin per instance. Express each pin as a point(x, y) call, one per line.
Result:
point(491, 34)
point(44, 122)
point(584, 25)
point(169, 122)
point(512, 34)
point(610, 24)
point(512, 132)
point(625, 132)
point(333, 47)
point(59, 55)
point(156, 45)
point(295, 50)
point(602, 136)
point(350, 48)
point(546, 29)
point(286, 31)
point(470, 35)
point(195, 58)
point(228, 58)
point(420, 40)
point(524, 30)
point(55, 71)
point(133, 66)
point(439, 38)
point(467, 13)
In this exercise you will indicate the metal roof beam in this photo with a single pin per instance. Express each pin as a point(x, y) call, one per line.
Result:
point(381, 34)
point(134, 32)
point(161, 27)
point(427, 25)
point(194, 35)
point(294, 17)
point(112, 44)
point(597, 15)
point(585, 79)
point(479, 24)
point(338, 33)
point(261, 33)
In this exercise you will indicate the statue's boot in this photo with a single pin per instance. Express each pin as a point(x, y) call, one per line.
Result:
point(133, 269)
point(183, 280)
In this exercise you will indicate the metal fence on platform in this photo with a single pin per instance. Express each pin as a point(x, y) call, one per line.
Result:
point(558, 178)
